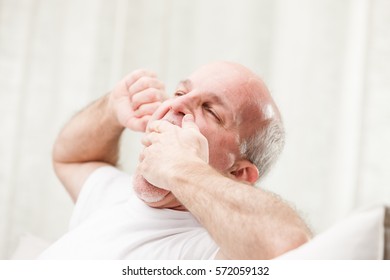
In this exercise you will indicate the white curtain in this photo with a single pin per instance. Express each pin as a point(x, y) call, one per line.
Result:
point(327, 63)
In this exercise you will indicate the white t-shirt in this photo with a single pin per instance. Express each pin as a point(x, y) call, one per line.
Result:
point(110, 222)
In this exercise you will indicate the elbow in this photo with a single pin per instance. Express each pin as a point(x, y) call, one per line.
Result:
point(57, 158)
point(274, 245)
point(284, 243)
point(57, 152)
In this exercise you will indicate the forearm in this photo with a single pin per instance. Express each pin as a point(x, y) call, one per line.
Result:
point(247, 223)
point(90, 136)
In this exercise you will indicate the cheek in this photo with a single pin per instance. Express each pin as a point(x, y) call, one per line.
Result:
point(221, 160)
point(222, 149)
point(223, 144)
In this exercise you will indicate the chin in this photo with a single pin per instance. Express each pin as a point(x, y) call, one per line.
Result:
point(154, 196)
point(148, 192)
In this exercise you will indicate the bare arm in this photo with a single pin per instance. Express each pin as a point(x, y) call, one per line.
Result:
point(91, 138)
point(246, 222)
point(88, 141)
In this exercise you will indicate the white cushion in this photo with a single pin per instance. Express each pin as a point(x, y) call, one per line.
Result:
point(360, 236)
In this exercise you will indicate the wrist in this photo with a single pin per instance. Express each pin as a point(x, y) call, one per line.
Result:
point(189, 173)
point(110, 114)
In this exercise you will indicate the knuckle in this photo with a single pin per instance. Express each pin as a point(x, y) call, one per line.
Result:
point(152, 93)
point(141, 72)
point(145, 81)
point(156, 95)
point(135, 98)
point(160, 85)
point(138, 74)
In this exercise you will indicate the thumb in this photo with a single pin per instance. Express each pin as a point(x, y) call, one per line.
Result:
point(189, 122)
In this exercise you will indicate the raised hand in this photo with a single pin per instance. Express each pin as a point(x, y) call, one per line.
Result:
point(170, 148)
point(135, 98)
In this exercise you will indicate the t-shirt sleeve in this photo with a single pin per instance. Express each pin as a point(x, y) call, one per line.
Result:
point(105, 187)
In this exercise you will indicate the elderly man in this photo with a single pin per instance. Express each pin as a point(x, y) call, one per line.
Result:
point(192, 196)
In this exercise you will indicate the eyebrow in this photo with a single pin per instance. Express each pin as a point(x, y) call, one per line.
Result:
point(186, 83)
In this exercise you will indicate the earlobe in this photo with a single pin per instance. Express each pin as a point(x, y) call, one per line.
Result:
point(246, 171)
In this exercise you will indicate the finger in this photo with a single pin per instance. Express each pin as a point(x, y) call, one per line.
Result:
point(159, 126)
point(189, 122)
point(149, 139)
point(162, 110)
point(136, 75)
point(145, 141)
point(148, 95)
point(142, 156)
point(139, 124)
point(146, 109)
point(146, 82)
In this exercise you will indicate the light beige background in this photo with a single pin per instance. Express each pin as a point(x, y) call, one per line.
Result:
point(327, 63)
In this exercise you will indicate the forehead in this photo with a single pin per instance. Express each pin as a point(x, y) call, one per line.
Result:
point(228, 85)
point(216, 96)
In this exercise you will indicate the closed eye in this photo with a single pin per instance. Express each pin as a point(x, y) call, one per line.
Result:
point(179, 93)
point(212, 112)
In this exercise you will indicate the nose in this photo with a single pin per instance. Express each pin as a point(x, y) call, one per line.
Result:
point(182, 105)
point(177, 108)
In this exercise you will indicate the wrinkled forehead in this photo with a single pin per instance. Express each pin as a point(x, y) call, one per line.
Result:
point(245, 92)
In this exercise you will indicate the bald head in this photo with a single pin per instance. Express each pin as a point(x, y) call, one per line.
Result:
point(261, 133)
point(244, 82)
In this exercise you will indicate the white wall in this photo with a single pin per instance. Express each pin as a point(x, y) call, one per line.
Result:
point(327, 63)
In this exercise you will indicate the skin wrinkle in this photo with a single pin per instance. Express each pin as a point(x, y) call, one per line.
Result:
point(187, 86)
point(199, 165)
point(241, 97)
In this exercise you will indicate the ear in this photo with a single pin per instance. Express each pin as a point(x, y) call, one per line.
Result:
point(244, 170)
